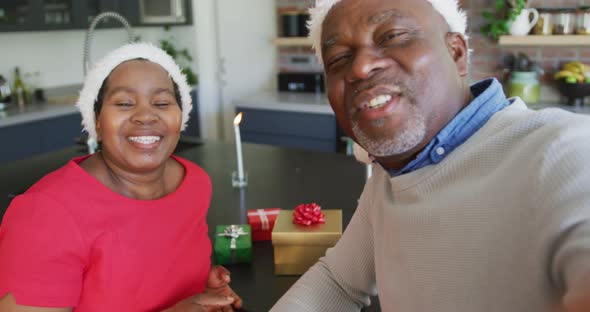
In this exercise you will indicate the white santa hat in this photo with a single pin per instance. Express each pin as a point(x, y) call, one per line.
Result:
point(103, 68)
point(448, 9)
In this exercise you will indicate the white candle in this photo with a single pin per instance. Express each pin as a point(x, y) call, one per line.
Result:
point(237, 121)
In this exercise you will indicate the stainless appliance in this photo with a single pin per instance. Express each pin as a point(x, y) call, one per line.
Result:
point(301, 82)
point(162, 11)
point(299, 62)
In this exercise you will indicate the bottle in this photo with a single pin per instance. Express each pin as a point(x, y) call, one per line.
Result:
point(5, 94)
point(20, 90)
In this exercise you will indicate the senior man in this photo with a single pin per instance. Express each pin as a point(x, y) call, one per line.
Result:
point(476, 203)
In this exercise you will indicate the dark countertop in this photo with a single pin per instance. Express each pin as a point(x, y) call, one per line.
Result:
point(278, 177)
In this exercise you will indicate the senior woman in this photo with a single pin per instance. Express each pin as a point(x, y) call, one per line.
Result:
point(123, 229)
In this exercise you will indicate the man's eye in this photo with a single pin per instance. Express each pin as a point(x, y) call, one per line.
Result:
point(124, 104)
point(392, 37)
point(336, 61)
point(162, 104)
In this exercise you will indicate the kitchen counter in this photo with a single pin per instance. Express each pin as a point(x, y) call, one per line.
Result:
point(287, 101)
point(12, 115)
point(60, 102)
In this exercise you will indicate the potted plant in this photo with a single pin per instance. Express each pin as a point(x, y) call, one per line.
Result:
point(499, 19)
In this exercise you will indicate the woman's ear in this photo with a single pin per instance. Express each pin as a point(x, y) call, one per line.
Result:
point(459, 51)
point(97, 128)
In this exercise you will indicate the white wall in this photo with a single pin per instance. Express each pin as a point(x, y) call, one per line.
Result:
point(248, 57)
point(58, 55)
point(235, 57)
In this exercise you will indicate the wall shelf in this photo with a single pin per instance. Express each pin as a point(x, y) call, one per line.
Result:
point(293, 41)
point(540, 40)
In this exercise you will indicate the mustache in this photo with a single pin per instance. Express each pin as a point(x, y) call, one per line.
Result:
point(369, 84)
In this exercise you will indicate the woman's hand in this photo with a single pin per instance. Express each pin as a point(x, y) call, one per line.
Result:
point(204, 302)
point(218, 283)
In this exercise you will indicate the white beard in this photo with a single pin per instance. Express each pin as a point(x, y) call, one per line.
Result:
point(396, 143)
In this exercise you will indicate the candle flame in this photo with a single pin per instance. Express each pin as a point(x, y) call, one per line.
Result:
point(238, 119)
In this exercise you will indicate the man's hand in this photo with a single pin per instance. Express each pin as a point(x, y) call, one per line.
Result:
point(218, 283)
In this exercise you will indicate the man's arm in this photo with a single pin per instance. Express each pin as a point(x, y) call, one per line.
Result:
point(344, 279)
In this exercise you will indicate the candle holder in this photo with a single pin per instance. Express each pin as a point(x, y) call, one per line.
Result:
point(236, 182)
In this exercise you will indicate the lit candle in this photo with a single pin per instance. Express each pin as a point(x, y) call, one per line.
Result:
point(237, 121)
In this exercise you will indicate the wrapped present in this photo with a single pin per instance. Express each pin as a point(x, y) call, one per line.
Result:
point(297, 247)
point(262, 222)
point(233, 244)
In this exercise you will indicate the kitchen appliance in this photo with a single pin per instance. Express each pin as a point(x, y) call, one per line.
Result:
point(290, 22)
point(299, 62)
point(162, 11)
point(294, 24)
point(301, 82)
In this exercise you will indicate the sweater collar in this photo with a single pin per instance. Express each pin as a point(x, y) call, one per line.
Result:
point(489, 98)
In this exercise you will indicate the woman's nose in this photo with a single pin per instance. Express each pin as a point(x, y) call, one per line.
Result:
point(145, 114)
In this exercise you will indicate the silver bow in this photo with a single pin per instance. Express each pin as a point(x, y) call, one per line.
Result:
point(234, 232)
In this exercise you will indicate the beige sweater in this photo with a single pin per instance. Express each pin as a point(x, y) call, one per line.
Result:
point(501, 224)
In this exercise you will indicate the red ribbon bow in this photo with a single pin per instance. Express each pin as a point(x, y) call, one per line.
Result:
point(308, 214)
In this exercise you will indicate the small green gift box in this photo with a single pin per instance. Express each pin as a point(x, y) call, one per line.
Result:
point(233, 244)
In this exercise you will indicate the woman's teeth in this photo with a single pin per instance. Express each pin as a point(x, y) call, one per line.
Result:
point(378, 101)
point(145, 139)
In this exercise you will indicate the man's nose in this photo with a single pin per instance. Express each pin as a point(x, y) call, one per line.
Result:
point(366, 63)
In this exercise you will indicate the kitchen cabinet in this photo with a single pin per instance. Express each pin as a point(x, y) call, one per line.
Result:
point(16, 15)
point(29, 15)
point(303, 130)
point(27, 139)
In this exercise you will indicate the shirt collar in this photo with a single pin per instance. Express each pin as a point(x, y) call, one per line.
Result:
point(488, 99)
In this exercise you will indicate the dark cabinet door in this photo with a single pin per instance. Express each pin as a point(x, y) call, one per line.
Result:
point(58, 14)
point(32, 138)
point(290, 129)
point(92, 8)
point(16, 15)
point(57, 133)
point(19, 141)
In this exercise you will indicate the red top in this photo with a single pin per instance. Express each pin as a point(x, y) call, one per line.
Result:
point(70, 241)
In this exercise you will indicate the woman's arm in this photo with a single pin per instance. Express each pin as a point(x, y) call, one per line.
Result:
point(8, 304)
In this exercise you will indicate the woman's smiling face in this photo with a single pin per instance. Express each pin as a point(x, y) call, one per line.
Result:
point(140, 120)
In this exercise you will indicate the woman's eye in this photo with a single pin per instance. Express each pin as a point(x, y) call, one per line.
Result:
point(162, 104)
point(124, 104)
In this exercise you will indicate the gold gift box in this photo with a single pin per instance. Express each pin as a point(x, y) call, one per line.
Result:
point(297, 247)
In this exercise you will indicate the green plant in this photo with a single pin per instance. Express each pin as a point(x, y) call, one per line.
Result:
point(499, 19)
point(182, 57)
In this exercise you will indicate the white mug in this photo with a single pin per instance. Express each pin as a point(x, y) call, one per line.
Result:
point(523, 24)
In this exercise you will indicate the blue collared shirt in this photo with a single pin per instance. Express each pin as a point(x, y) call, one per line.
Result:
point(488, 99)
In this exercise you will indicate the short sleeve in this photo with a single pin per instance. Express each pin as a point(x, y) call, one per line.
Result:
point(42, 255)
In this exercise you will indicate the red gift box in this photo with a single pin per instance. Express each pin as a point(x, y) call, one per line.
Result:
point(262, 221)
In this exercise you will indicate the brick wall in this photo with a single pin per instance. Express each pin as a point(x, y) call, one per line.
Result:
point(487, 54)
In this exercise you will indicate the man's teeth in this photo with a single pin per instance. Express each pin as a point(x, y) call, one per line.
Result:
point(378, 101)
point(148, 139)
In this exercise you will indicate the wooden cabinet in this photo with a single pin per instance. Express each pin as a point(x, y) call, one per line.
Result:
point(289, 129)
point(28, 15)
point(42, 136)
